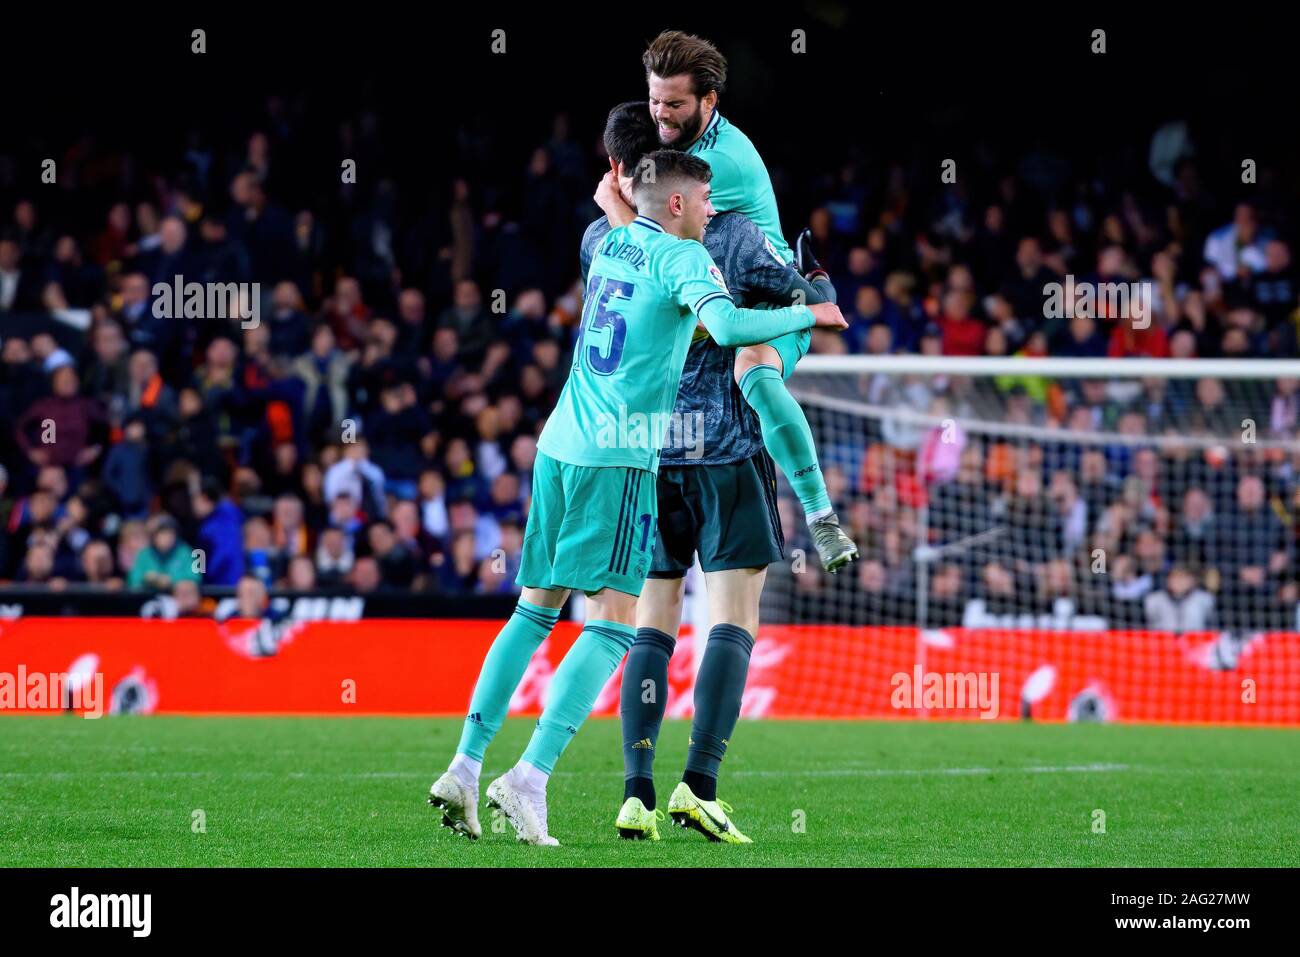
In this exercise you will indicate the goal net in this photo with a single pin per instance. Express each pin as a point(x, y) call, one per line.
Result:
point(1032, 512)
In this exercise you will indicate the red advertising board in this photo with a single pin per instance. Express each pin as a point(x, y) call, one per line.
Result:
point(814, 671)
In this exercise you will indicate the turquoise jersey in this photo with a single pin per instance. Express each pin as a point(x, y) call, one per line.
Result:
point(645, 289)
point(740, 181)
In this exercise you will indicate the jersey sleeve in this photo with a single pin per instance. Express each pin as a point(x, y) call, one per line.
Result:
point(696, 283)
point(595, 232)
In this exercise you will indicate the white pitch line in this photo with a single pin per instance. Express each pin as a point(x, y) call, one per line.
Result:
point(923, 772)
point(817, 773)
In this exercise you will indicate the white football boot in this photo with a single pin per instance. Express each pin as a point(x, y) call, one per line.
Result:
point(523, 807)
point(458, 802)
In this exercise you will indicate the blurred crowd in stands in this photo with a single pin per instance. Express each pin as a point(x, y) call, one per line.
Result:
point(376, 429)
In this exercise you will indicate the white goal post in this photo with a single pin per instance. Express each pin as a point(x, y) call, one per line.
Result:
point(1061, 493)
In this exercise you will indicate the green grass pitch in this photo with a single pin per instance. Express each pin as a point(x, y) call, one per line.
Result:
point(351, 791)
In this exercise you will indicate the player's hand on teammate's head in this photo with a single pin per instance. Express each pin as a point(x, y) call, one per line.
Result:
point(611, 201)
point(828, 316)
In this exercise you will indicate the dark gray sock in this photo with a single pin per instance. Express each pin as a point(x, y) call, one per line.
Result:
point(641, 707)
point(719, 687)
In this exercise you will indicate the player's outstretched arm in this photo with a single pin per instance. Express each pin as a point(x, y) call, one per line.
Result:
point(697, 284)
point(731, 326)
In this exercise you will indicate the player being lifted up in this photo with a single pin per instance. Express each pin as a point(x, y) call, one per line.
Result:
point(717, 500)
point(685, 75)
point(594, 504)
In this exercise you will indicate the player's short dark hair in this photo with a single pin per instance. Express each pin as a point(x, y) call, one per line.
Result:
point(673, 53)
point(666, 168)
point(630, 133)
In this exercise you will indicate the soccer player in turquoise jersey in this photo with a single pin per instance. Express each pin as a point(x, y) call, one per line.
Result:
point(685, 75)
point(593, 506)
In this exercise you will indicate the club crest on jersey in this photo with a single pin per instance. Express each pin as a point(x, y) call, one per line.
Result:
point(716, 275)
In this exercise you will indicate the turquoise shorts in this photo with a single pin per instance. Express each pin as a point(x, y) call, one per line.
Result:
point(791, 347)
point(588, 528)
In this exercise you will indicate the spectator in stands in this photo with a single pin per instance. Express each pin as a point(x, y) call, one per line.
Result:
point(97, 565)
point(395, 430)
point(334, 558)
point(1238, 247)
point(1071, 513)
point(324, 373)
point(220, 533)
point(413, 537)
point(148, 396)
point(1273, 291)
point(65, 429)
point(290, 536)
point(261, 560)
point(188, 598)
point(80, 283)
point(458, 574)
point(251, 598)
point(38, 564)
point(397, 564)
point(1181, 605)
point(301, 575)
point(357, 477)
point(1190, 537)
point(261, 227)
point(20, 288)
point(126, 469)
point(415, 330)
point(963, 334)
point(171, 258)
point(1080, 340)
point(108, 376)
point(947, 600)
point(997, 595)
point(1025, 290)
point(366, 577)
point(467, 318)
point(1250, 548)
point(164, 561)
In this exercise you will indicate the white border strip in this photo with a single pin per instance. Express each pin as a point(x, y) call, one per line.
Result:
point(1055, 368)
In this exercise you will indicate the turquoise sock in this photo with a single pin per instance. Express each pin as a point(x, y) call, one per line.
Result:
point(787, 436)
point(577, 682)
point(502, 670)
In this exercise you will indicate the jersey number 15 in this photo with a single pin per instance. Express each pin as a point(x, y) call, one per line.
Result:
point(604, 330)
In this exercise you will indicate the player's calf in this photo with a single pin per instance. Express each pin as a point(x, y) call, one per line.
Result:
point(643, 697)
point(789, 441)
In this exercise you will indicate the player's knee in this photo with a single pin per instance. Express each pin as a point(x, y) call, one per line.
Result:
point(545, 597)
point(655, 641)
point(752, 357)
point(761, 372)
point(737, 627)
point(608, 604)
